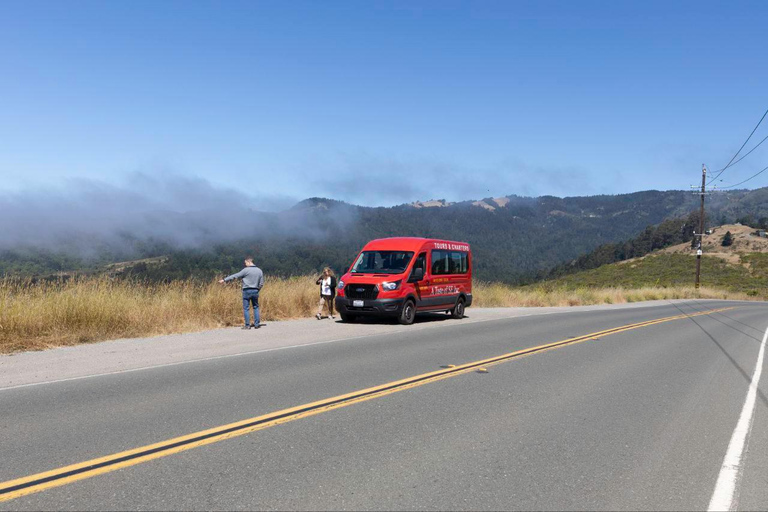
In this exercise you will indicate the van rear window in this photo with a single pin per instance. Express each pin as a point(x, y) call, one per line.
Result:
point(382, 262)
point(449, 262)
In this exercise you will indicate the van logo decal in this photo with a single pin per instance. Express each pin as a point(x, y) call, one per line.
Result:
point(444, 290)
point(360, 290)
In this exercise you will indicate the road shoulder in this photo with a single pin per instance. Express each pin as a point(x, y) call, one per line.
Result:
point(135, 354)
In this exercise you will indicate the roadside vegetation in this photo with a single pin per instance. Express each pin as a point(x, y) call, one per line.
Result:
point(67, 312)
point(501, 295)
point(44, 314)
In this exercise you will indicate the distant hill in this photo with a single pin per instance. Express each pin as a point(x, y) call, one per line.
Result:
point(740, 267)
point(515, 239)
point(744, 241)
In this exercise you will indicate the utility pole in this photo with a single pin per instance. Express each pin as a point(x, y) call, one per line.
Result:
point(700, 234)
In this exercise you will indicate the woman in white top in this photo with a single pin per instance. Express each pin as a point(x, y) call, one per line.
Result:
point(327, 282)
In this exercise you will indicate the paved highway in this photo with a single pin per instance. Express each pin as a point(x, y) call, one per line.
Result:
point(638, 407)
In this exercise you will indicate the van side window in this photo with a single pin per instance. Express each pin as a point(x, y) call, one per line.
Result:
point(438, 263)
point(421, 262)
point(449, 262)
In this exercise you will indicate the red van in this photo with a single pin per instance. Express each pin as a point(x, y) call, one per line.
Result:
point(400, 277)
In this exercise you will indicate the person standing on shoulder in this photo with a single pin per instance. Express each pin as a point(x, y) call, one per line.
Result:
point(327, 282)
point(253, 281)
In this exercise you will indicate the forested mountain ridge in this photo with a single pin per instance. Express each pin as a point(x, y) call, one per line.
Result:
point(514, 239)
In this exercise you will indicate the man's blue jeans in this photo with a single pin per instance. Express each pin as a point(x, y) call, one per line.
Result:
point(251, 296)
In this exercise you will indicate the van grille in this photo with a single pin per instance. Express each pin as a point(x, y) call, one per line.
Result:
point(361, 291)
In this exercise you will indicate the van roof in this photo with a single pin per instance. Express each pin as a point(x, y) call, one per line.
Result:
point(404, 243)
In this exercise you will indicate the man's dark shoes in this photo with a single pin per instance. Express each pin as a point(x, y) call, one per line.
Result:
point(245, 327)
point(256, 326)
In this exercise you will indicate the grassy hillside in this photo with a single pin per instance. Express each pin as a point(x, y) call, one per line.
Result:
point(749, 274)
point(739, 267)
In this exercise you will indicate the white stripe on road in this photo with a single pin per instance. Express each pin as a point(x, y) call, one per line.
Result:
point(725, 495)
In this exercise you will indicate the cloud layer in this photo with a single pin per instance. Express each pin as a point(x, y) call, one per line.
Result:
point(85, 215)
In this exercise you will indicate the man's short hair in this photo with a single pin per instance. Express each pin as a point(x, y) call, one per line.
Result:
point(249, 258)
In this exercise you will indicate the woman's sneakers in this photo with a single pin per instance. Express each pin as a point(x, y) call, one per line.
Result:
point(318, 316)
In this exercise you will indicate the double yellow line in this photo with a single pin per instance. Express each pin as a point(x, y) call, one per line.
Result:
point(65, 475)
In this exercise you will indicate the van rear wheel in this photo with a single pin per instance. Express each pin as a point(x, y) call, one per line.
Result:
point(408, 313)
point(458, 310)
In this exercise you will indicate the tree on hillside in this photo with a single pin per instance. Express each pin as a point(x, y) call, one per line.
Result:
point(727, 239)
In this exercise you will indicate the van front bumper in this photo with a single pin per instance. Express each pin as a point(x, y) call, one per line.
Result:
point(374, 307)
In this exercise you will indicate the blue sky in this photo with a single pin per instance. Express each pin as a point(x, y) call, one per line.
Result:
point(380, 103)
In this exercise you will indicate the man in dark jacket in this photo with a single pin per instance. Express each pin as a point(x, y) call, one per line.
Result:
point(253, 281)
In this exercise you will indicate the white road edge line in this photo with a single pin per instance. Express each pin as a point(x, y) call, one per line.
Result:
point(725, 496)
point(587, 309)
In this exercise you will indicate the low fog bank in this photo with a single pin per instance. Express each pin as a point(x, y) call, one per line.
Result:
point(87, 217)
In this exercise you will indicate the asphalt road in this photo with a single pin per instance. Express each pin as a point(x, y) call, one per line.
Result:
point(639, 418)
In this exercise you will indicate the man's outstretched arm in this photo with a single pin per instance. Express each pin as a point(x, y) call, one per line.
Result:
point(233, 276)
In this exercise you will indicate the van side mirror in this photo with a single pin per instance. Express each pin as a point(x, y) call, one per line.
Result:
point(416, 275)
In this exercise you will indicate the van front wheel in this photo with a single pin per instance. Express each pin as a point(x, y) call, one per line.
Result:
point(347, 319)
point(408, 313)
point(458, 310)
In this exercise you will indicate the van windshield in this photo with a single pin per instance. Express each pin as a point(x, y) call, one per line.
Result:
point(382, 262)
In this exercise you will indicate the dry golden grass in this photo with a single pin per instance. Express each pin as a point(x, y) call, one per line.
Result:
point(35, 316)
point(81, 310)
point(500, 295)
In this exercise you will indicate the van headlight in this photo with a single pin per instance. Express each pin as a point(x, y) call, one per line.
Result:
point(388, 286)
point(340, 284)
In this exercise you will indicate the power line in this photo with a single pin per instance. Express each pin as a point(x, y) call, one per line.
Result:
point(742, 147)
point(745, 155)
point(703, 192)
point(746, 180)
